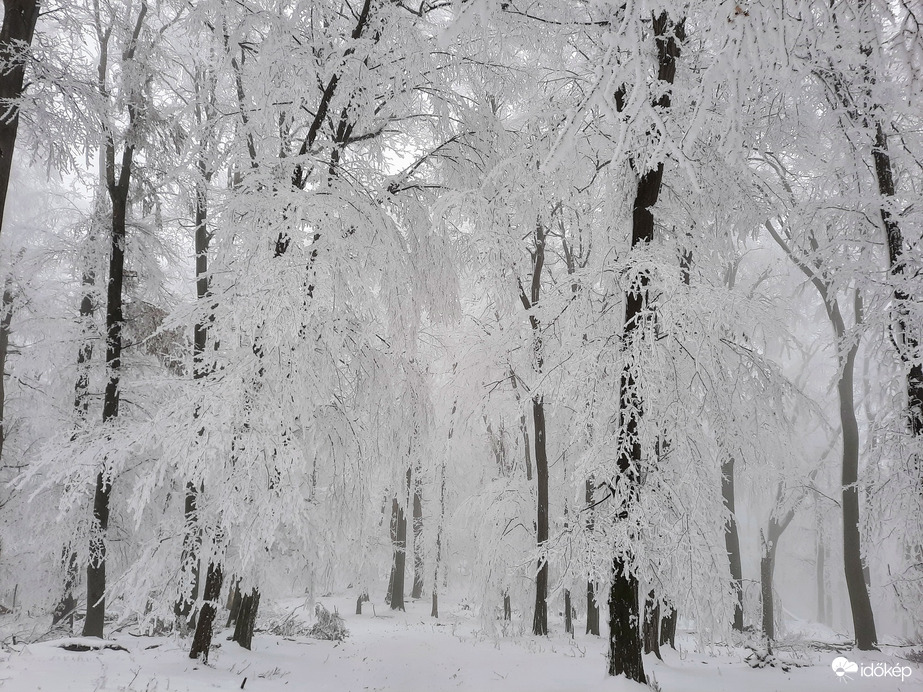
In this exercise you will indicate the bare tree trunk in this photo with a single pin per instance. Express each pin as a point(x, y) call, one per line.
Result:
point(592, 608)
point(732, 542)
point(246, 619)
point(651, 630)
point(767, 563)
point(863, 618)
point(540, 619)
point(202, 641)
point(668, 628)
point(399, 543)
point(234, 600)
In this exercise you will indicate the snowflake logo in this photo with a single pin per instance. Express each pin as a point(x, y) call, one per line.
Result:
point(841, 666)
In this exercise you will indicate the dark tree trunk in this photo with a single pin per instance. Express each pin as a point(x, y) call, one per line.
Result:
point(652, 625)
point(363, 598)
point(117, 184)
point(65, 608)
point(624, 632)
point(540, 619)
point(767, 563)
point(68, 602)
point(234, 602)
point(19, 17)
point(507, 607)
point(568, 614)
point(202, 641)
point(529, 302)
point(863, 618)
point(246, 619)
point(434, 612)
point(399, 543)
point(668, 628)
point(905, 336)
point(732, 542)
point(624, 617)
point(592, 610)
point(96, 568)
point(193, 538)
point(417, 591)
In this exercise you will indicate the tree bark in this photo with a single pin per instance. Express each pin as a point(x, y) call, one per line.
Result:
point(732, 542)
point(767, 564)
point(624, 617)
point(19, 17)
point(202, 640)
point(399, 544)
point(652, 625)
point(529, 302)
point(863, 618)
point(117, 185)
point(540, 619)
point(234, 601)
point(592, 608)
point(624, 630)
point(246, 619)
point(668, 628)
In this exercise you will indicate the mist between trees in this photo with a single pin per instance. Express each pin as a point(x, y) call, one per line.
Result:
point(579, 308)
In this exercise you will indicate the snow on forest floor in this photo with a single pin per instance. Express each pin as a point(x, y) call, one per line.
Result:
point(411, 652)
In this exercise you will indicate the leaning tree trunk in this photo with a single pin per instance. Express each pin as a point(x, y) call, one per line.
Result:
point(861, 606)
point(202, 641)
point(19, 17)
point(732, 542)
point(625, 644)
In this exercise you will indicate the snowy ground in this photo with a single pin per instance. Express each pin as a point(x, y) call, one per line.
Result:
point(411, 652)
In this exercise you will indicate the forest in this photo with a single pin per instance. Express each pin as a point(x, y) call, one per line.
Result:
point(579, 340)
